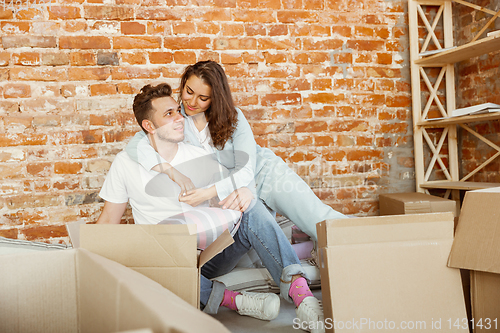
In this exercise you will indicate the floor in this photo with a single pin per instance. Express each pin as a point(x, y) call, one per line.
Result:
point(243, 324)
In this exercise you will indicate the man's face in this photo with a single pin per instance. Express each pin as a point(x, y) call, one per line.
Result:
point(167, 120)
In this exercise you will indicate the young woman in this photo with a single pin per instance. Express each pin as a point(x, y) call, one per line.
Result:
point(215, 124)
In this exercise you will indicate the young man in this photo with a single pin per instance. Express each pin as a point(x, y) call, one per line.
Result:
point(159, 116)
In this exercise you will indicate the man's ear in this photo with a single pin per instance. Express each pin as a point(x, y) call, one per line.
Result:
point(148, 126)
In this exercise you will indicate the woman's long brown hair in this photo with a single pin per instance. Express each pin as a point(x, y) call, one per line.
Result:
point(221, 115)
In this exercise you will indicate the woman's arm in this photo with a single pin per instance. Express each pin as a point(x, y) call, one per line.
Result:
point(140, 150)
point(243, 156)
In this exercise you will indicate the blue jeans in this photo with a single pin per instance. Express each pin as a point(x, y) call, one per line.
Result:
point(258, 229)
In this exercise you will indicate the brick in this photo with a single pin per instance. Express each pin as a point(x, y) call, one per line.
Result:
point(84, 42)
point(327, 44)
point(136, 42)
point(311, 126)
point(159, 14)
point(398, 101)
point(183, 28)
point(9, 233)
point(43, 105)
point(47, 121)
point(122, 13)
point(55, 59)
point(82, 59)
point(98, 166)
point(127, 73)
point(29, 14)
point(32, 200)
point(10, 171)
point(132, 28)
point(184, 57)
point(252, 58)
point(4, 58)
point(136, 58)
point(126, 88)
point(211, 15)
point(209, 28)
point(232, 29)
point(103, 89)
point(183, 43)
point(295, 16)
point(16, 90)
point(15, 27)
point(75, 26)
point(310, 57)
point(275, 57)
point(393, 128)
point(254, 16)
point(28, 41)
point(42, 169)
point(64, 13)
point(6, 14)
point(4, 74)
point(82, 198)
point(7, 107)
point(38, 74)
point(275, 44)
point(366, 45)
point(349, 126)
point(66, 184)
point(255, 29)
point(324, 98)
point(161, 57)
point(67, 167)
point(107, 59)
point(363, 155)
point(278, 30)
point(280, 99)
point(97, 73)
point(44, 232)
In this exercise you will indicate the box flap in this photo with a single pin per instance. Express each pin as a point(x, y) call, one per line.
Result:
point(477, 239)
point(136, 245)
point(223, 241)
point(73, 229)
point(389, 228)
point(414, 203)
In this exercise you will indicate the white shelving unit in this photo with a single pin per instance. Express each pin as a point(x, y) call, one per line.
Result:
point(427, 95)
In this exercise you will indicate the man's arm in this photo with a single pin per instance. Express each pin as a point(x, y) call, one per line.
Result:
point(112, 212)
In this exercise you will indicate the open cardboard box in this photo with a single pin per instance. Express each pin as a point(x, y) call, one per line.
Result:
point(415, 203)
point(389, 273)
point(79, 291)
point(477, 247)
point(166, 254)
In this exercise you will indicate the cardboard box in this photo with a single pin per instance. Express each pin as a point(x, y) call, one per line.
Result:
point(389, 273)
point(415, 203)
point(166, 254)
point(477, 247)
point(79, 291)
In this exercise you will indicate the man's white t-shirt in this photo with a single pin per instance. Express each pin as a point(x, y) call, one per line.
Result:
point(152, 195)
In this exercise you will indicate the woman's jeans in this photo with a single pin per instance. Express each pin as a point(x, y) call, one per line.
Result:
point(258, 229)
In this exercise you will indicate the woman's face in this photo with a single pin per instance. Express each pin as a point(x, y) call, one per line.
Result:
point(196, 96)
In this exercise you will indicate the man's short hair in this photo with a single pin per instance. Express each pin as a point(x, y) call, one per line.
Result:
point(142, 102)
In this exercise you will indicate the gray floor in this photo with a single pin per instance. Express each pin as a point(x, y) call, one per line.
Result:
point(243, 324)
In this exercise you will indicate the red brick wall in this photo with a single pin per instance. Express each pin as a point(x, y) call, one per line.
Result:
point(478, 81)
point(325, 84)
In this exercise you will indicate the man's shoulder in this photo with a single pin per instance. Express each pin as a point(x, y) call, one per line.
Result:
point(122, 158)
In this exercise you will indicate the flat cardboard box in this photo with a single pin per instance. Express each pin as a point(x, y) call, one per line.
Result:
point(166, 254)
point(414, 203)
point(79, 291)
point(389, 273)
point(477, 248)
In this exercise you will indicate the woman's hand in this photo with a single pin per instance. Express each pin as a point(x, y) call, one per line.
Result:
point(240, 199)
point(197, 196)
point(184, 182)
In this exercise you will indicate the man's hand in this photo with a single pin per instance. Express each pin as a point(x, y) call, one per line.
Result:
point(180, 179)
point(197, 196)
point(240, 199)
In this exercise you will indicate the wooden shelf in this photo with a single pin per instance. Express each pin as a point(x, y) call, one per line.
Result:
point(463, 52)
point(449, 185)
point(460, 120)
